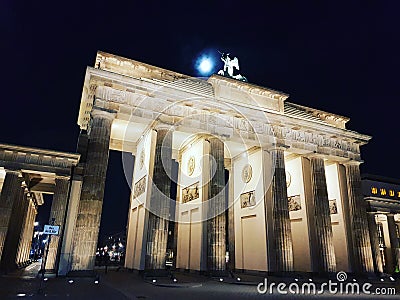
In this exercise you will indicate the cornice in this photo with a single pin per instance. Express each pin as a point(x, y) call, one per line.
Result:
point(73, 157)
point(248, 87)
point(330, 118)
point(132, 68)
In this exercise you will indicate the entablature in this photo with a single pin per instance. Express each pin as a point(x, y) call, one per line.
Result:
point(37, 160)
point(383, 205)
point(143, 100)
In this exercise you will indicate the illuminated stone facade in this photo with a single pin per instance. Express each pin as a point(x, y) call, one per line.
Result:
point(28, 173)
point(383, 199)
point(262, 184)
point(255, 127)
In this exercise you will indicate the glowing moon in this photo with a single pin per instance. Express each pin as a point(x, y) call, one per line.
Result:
point(205, 64)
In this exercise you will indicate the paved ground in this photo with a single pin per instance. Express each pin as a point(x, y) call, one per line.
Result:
point(123, 284)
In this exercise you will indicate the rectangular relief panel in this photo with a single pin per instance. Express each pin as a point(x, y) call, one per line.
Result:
point(247, 199)
point(140, 187)
point(333, 207)
point(190, 193)
point(294, 203)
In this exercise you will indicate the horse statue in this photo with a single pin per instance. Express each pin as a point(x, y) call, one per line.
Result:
point(229, 65)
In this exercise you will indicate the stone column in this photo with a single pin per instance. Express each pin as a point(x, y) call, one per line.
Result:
point(176, 216)
point(362, 251)
point(373, 232)
point(157, 230)
point(29, 232)
point(58, 210)
point(8, 262)
point(91, 202)
point(25, 250)
point(394, 241)
point(216, 206)
point(21, 241)
point(22, 244)
point(346, 215)
point(23, 215)
point(65, 256)
point(33, 225)
point(319, 219)
point(279, 236)
point(11, 188)
point(231, 221)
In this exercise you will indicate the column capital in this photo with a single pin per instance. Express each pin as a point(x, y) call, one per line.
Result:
point(98, 112)
point(164, 126)
point(63, 177)
point(352, 162)
point(372, 212)
point(210, 137)
point(276, 147)
point(14, 172)
point(314, 154)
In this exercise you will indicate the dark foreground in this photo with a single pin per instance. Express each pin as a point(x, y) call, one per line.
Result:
point(123, 284)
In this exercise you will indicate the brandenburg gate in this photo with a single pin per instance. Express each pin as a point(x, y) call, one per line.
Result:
point(263, 184)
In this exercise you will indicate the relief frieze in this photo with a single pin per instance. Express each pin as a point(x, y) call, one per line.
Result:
point(241, 126)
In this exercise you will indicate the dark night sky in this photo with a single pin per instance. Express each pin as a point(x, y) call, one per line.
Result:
point(337, 56)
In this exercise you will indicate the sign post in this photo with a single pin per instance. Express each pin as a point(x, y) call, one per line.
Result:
point(50, 230)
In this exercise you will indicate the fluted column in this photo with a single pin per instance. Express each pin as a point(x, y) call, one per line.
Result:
point(9, 256)
point(29, 232)
point(216, 206)
point(321, 226)
point(58, 210)
point(373, 232)
point(394, 241)
point(91, 202)
point(231, 221)
point(279, 236)
point(157, 232)
point(22, 244)
point(11, 188)
point(33, 226)
point(362, 251)
point(24, 256)
point(23, 215)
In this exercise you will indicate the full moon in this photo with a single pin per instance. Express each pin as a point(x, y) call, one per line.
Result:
point(205, 64)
